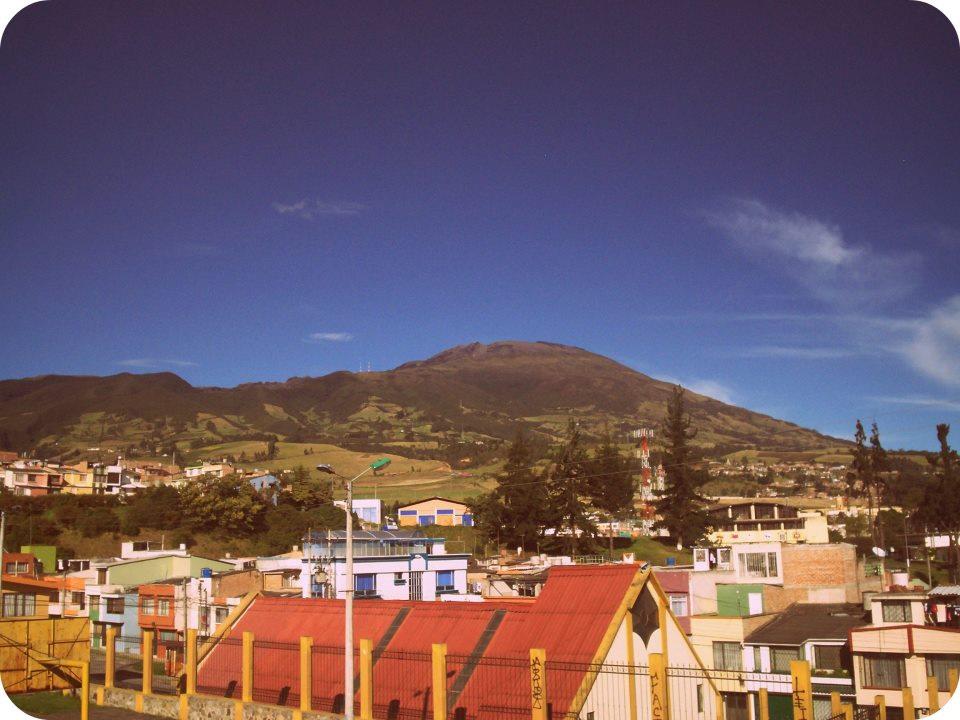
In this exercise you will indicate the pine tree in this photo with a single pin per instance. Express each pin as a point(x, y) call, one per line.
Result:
point(515, 512)
point(941, 506)
point(680, 506)
point(568, 486)
point(612, 482)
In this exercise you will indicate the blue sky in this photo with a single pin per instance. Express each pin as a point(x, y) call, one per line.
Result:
point(757, 200)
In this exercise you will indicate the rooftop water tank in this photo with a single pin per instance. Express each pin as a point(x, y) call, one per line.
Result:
point(206, 572)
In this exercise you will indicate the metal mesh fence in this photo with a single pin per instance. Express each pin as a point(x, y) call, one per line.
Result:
point(276, 672)
point(327, 675)
point(167, 677)
point(128, 671)
point(220, 672)
point(403, 685)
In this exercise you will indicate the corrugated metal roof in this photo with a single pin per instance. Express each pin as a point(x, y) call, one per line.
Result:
point(568, 620)
point(945, 590)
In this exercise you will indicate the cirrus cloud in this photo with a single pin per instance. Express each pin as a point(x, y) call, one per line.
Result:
point(816, 254)
point(319, 337)
point(310, 209)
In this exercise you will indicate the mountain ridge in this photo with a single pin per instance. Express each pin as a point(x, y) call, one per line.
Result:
point(484, 390)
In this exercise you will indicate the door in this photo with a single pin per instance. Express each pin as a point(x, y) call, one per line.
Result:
point(755, 603)
point(416, 586)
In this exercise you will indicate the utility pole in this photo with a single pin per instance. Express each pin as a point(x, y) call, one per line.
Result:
point(926, 552)
point(906, 542)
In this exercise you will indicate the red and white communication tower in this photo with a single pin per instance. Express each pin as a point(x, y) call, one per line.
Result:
point(643, 453)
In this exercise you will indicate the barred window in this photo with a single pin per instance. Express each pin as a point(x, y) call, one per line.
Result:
point(758, 564)
point(882, 671)
point(896, 611)
point(115, 605)
point(939, 666)
point(19, 605)
point(727, 656)
point(780, 659)
point(828, 657)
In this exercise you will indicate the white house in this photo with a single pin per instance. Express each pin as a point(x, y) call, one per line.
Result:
point(387, 564)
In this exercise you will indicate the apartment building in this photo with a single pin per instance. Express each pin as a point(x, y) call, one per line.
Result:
point(765, 520)
point(903, 647)
point(434, 511)
point(387, 564)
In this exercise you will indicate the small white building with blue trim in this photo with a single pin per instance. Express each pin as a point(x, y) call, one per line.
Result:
point(387, 564)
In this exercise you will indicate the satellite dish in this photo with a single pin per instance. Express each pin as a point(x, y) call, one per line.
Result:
point(879, 552)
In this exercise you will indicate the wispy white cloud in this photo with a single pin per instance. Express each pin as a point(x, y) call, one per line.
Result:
point(788, 352)
point(932, 343)
point(713, 389)
point(816, 254)
point(147, 363)
point(318, 337)
point(919, 402)
point(704, 386)
point(310, 209)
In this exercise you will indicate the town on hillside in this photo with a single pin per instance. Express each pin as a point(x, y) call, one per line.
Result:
point(780, 605)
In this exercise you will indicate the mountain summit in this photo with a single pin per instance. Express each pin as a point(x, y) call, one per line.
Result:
point(481, 390)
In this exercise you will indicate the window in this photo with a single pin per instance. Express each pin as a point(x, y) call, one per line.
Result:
point(163, 607)
point(444, 580)
point(220, 614)
point(723, 557)
point(678, 605)
point(365, 585)
point(19, 605)
point(148, 606)
point(78, 598)
point(699, 697)
point(828, 657)
point(780, 659)
point(758, 564)
point(115, 605)
point(102, 576)
point(939, 666)
point(398, 579)
point(882, 671)
point(16, 568)
point(95, 602)
point(727, 656)
point(897, 611)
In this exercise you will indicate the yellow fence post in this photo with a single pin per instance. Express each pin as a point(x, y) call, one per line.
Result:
point(836, 707)
point(146, 653)
point(110, 668)
point(85, 691)
point(190, 661)
point(439, 681)
point(366, 679)
point(764, 700)
point(631, 668)
point(247, 668)
point(908, 711)
point(306, 673)
point(658, 684)
point(933, 697)
point(848, 711)
point(880, 702)
point(538, 683)
point(954, 677)
point(802, 690)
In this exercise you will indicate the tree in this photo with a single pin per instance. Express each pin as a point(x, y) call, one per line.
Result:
point(305, 492)
point(612, 482)
point(680, 505)
point(567, 486)
point(229, 504)
point(866, 479)
point(941, 507)
point(514, 513)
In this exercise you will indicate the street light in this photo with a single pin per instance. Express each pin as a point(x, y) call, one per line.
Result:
point(348, 610)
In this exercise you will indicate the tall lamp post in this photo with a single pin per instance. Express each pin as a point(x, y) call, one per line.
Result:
point(348, 611)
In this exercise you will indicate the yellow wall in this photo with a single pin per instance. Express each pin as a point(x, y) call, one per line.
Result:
point(26, 640)
point(430, 507)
